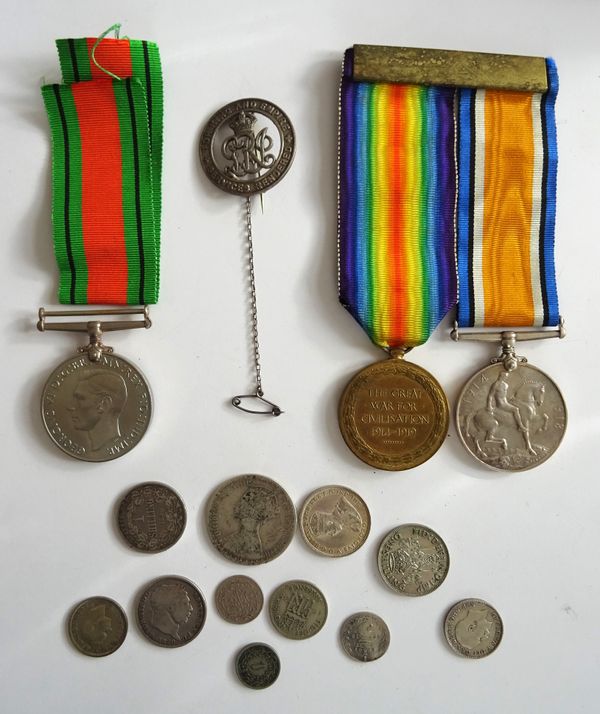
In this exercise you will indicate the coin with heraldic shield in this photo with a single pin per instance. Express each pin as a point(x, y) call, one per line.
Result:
point(257, 665)
point(413, 560)
point(171, 611)
point(298, 609)
point(97, 626)
point(335, 521)
point(473, 628)
point(393, 415)
point(151, 517)
point(239, 599)
point(365, 636)
point(250, 519)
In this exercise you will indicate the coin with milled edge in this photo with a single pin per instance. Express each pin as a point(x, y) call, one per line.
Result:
point(413, 560)
point(151, 517)
point(335, 521)
point(393, 415)
point(365, 636)
point(96, 411)
point(298, 609)
point(473, 628)
point(511, 420)
point(97, 626)
point(171, 611)
point(239, 599)
point(257, 665)
point(251, 519)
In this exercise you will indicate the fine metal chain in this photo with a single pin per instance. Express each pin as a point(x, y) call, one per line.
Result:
point(252, 290)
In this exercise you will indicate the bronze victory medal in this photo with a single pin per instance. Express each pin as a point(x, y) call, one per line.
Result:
point(511, 420)
point(96, 411)
point(335, 521)
point(151, 517)
point(298, 609)
point(393, 415)
point(365, 636)
point(257, 665)
point(171, 611)
point(251, 519)
point(413, 560)
point(473, 628)
point(239, 599)
point(97, 626)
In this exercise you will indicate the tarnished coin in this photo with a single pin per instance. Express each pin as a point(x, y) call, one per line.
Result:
point(97, 626)
point(335, 521)
point(238, 599)
point(251, 519)
point(257, 665)
point(96, 411)
point(511, 420)
point(473, 628)
point(171, 611)
point(413, 559)
point(298, 609)
point(151, 517)
point(365, 636)
point(393, 415)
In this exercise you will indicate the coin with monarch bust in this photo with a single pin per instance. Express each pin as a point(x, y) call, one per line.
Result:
point(473, 628)
point(97, 626)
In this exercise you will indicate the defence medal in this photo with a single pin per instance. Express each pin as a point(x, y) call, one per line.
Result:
point(510, 415)
point(396, 256)
point(246, 147)
point(106, 131)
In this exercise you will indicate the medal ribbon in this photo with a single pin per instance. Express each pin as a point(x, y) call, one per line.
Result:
point(106, 170)
point(506, 207)
point(397, 186)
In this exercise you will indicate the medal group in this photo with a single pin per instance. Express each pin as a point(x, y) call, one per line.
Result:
point(446, 199)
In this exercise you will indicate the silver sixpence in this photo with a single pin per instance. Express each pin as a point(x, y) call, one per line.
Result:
point(96, 411)
point(413, 559)
point(511, 420)
point(365, 636)
point(257, 665)
point(473, 628)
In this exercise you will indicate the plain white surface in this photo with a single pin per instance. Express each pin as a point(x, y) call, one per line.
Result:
point(526, 542)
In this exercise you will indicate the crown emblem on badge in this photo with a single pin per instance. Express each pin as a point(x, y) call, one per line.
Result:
point(242, 123)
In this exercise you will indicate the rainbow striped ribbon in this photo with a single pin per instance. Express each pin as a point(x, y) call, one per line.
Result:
point(506, 207)
point(397, 191)
point(106, 171)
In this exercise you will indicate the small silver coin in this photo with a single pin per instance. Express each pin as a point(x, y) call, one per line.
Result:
point(473, 628)
point(413, 559)
point(298, 609)
point(511, 421)
point(171, 611)
point(97, 626)
point(365, 636)
point(96, 411)
point(239, 599)
point(257, 665)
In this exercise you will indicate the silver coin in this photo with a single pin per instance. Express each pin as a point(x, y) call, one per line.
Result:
point(239, 599)
point(413, 560)
point(298, 609)
point(365, 636)
point(511, 421)
point(96, 411)
point(97, 626)
point(473, 628)
point(257, 665)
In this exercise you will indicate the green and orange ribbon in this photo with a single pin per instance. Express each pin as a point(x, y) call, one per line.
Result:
point(106, 124)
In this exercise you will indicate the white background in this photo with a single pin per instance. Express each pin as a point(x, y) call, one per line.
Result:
point(526, 542)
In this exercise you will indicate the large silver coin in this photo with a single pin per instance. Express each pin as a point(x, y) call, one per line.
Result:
point(511, 421)
point(365, 636)
point(251, 519)
point(473, 628)
point(413, 560)
point(96, 411)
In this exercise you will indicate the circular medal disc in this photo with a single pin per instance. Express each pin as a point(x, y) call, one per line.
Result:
point(96, 411)
point(393, 415)
point(247, 146)
point(473, 628)
point(511, 421)
point(97, 626)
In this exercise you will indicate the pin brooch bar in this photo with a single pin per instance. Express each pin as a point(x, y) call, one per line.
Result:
point(107, 326)
point(514, 335)
point(451, 68)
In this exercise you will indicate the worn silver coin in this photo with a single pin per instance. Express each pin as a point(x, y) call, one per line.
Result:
point(171, 611)
point(250, 519)
point(239, 599)
point(298, 609)
point(511, 420)
point(257, 665)
point(365, 636)
point(97, 626)
point(413, 560)
point(473, 628)
point(96, 411)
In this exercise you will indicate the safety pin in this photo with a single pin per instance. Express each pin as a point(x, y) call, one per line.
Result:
point(237, 403)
